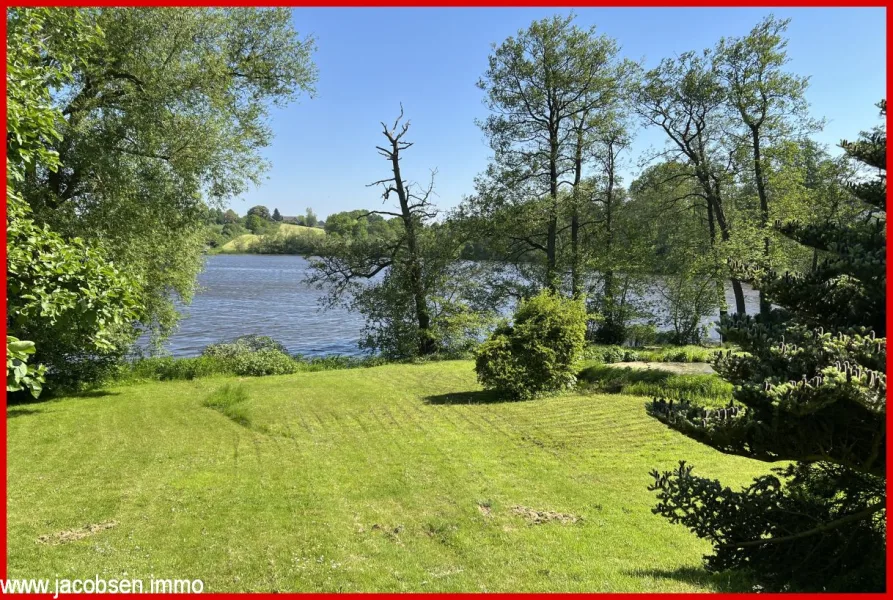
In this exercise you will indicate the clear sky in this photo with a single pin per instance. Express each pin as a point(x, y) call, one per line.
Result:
point(372, 59)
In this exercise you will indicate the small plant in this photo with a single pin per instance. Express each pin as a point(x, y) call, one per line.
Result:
point(537, 352)
point(229, 401)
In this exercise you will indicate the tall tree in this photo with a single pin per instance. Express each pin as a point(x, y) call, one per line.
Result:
point(166, 115)
point(405, 279)
point(811, 388)
point(542, 85)
point(684, 97)
point(259, 211)
point(767, 101)
point(74, 308)
point(276, 215)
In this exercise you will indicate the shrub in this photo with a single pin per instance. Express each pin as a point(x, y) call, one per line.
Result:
point(169, 368)
point(263, 362)
point(610, 354)
point(243, 344)
point(536, 354)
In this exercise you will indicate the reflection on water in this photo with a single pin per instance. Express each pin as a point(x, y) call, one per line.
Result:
point(266, 295)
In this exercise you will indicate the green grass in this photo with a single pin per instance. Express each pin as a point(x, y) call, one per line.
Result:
point(392, 478)
point(688, 354)
point(705, 389)
point(245, 241)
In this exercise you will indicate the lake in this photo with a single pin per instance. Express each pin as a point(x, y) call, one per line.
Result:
point(242, 294)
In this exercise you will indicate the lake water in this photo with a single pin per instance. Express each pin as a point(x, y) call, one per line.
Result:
point(266, 295)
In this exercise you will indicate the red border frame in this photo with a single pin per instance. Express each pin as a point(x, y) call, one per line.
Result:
point(424, 4)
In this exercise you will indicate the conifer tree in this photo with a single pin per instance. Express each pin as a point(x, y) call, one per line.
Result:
point(810, 389)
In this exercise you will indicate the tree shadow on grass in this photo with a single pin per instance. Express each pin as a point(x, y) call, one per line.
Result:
point(717, 582)
point(12, 413)
point(18, 399)
point(470, 397)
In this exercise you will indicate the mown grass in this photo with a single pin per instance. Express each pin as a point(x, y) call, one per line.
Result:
point(702, 388)
point(393, 478)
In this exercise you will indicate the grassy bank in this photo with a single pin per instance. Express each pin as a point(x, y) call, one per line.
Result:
point(287, 236)
point(697, 387)
point(399, 477)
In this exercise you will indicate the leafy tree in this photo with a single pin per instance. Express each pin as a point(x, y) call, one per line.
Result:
point(262, 212)
point(310, 219)
point(256, 224)
point(230, 216)
point(541, 85)
point(537, 352)
point(69, 308)
point(766, 100)
point(686, 99)
point(168, 114)
point(811, 389)
point(276, 215)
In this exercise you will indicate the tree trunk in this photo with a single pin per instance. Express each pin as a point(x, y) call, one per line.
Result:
point(720, 285)
point(609, 288)
point(764, 206)
point(426, 342)
point(740, 306)
point(552, 234)
point(576, 276)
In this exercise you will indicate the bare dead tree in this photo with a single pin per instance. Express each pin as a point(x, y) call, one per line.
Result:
point(344, 264)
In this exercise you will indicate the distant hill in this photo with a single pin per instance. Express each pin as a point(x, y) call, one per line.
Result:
point(248, 241)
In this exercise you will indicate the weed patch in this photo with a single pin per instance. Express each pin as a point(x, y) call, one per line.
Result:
point(229, 401)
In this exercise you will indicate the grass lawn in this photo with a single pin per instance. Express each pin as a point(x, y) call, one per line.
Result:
point(393, 478)
point(246, 240)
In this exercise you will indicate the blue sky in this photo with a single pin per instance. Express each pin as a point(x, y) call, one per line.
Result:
point(372, 59)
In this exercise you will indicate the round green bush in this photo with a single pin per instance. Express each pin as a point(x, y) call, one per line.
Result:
point(537, 352)
point(263, 362)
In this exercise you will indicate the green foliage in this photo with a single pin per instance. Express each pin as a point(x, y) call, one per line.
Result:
point(263, 362)
point(242, 344)
point(19, 374)
point(388, 305)
point(709, 390)
point(164, 117)
point(259, 211)
point(167, 368)
point(682, 354)
point(811, 388)
point(276, 215)
point(773, 509)
point(64, 295)
point(610, 354)
point(537, 352)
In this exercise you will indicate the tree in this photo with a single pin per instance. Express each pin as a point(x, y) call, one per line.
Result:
point(167, 115)
point(811, 389)
point(256, 224)
point(310, 220)
point(538, 351)
point(230, 216)
point(259, 211)
point(766, 100)
point(65, 297)
point(684, 97)
point(276, 216)
point(539, 85)
point(401, 273)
